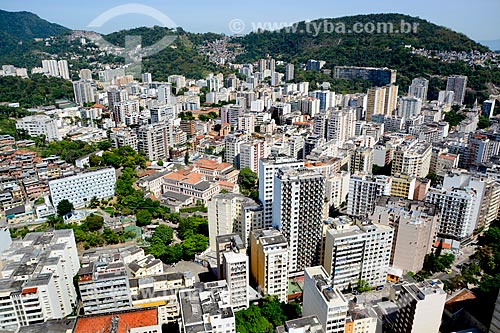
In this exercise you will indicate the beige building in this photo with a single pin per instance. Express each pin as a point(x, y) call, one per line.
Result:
point(413, 159)
point(269, 262)
point(415, 224)
point(376, 102)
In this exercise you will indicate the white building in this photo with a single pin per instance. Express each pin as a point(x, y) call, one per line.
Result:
point(235, 270)
point(206, 308)
point(341, 125)
point(37, 279)
point(421, 306)
point(251, 153)
point(267, 171)
point(356, 252)
point(232, 213)
point(409, 107)
point(63, 69)
point(104, 287)
point(322, 299)
point(84, 92)
point(154, 140)
point(456, 207)
point(39, 125)
point(269, 262)
point(363, 191)
point(298, 211)
point(419, 88)
point(81, 188)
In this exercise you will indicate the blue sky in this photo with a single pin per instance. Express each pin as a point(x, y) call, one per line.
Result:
point(480, 22)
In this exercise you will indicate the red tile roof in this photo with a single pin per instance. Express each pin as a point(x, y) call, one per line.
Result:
point(127, 320)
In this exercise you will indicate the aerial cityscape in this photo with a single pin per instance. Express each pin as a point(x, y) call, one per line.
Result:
point(335, 173)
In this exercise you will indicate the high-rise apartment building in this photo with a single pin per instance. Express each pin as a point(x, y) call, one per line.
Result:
point(154, 140)
point(457, 84)
point(420, 306)
point(419, 88)
point(409, 107)
point(268, 169)
point(415, 224)
point(457, 209)
point(341, 125)
point(37, 279)
point(233, 213)
point(116, 95)
point(323, 299)
point(289, 72)
point(104, 287)
point(251, 153)
point(364, 189)
point(269, 262)
point(376, 102)
point(391, 99)
point(357, 251)
point(361, 160)
point(84, 92)
point(298, 206)
point(412, 158)
point(62, 65)
point(123, 109)
point(235, 270)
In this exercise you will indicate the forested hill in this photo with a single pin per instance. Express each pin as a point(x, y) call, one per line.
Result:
point(375, 49)
point(24, 26)
point(303, 44)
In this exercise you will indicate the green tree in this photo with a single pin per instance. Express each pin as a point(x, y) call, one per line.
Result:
point(110, 236)
point(484, 122)
point(194, 244)
point(363, 286)
point(186, 158)
point(248, 182)
point(94, 222)
point(173, 254)
point(64, 207)
point(252, 320)
point(143, 218)
point(159, 163)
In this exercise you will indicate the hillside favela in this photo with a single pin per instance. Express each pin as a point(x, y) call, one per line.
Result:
point(264, 167)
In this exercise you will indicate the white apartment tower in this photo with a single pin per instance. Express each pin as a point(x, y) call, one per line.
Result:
point(268, 169)
point(235, 270)
point(420, 306)
point(232, 213)
point(37, 279)
point(419, 88)
point(322, 299)
point(251, 153)
point(356, 252)
point(299, 199)
point(154, 140)
point(364, 189)
point(341, 125)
